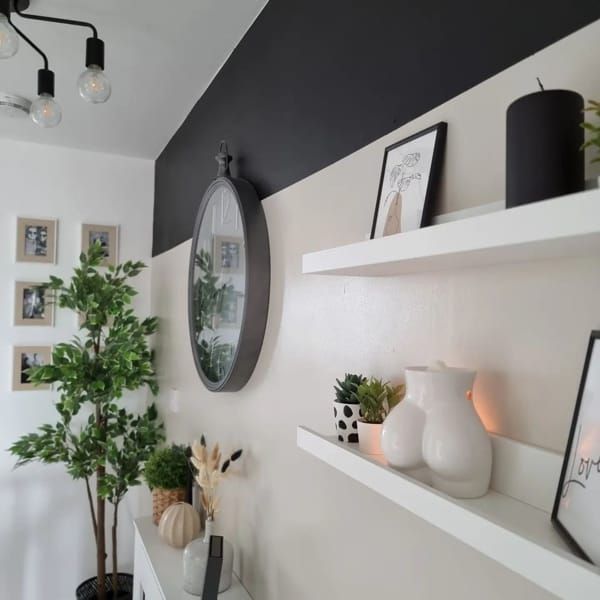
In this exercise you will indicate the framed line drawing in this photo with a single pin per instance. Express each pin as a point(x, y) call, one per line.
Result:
point(409, 181)
point(575, 513)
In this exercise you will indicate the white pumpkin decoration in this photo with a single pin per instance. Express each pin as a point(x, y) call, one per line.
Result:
point(179, 525)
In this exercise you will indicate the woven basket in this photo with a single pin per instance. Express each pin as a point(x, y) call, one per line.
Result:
point(88, 590)
point(162, 499)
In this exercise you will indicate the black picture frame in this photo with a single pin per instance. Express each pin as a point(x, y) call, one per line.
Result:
point(567, 468)
point(435, 171)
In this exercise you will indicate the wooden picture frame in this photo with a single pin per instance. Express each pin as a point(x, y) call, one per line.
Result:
point(575, 513)
point(108, 235)
point(232, 312)
point(36, 240)
point(25, 357)
point(409, 182)
point(34, 305)
point(228, 255)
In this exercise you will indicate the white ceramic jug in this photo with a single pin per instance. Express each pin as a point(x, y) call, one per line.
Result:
point(437, 426)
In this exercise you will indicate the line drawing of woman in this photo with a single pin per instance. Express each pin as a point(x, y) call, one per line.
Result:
point(400, 179)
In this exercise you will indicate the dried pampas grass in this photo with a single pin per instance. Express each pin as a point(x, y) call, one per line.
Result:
point(210, 472)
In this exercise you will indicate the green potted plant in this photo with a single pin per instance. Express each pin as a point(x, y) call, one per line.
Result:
point(166, 474)
point(593, 129)
point(346, 409)
point(98, 440)
point(376, 400)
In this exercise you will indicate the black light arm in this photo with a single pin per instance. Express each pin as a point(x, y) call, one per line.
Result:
point(94, 54)
point(55, 20)
point(28, 40)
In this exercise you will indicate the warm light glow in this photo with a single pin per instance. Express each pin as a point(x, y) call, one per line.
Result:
point(94, 85)
point(45, 111)
point(485, 407)
point(9, 40)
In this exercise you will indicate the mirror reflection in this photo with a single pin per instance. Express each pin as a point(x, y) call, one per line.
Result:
point(219, 285)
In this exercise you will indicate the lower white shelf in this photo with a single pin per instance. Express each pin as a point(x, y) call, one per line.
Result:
point(509, 531)
point(158, 569)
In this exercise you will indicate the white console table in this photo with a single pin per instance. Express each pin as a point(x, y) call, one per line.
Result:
point(158, 569)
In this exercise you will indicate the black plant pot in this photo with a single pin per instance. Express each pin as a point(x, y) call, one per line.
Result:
point(88, 590)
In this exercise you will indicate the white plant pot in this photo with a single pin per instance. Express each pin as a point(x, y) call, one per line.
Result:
point(369, 438)
point(346, 421)
point(437, 426)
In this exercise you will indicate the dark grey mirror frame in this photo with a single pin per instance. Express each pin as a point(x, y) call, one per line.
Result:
point(257, 284)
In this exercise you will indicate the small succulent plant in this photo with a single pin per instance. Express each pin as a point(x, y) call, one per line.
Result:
point(593, 130)
point(345, 391)
point(377, 399)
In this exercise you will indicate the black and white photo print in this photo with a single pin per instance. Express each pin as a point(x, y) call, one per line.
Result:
point(36, 240)
point(409, 181)
point(33, 305)
point(25, 358)
point(105, 235)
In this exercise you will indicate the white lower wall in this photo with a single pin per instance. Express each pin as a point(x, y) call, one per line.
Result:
point(302, 530)
point(47, 543)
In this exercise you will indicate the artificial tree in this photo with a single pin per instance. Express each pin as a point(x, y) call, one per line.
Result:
point(96, 438)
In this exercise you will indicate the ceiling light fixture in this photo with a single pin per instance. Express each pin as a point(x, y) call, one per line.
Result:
point(93, 84)
point(13, 106)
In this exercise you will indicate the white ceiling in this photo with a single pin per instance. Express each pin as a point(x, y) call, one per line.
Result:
point(160, 58)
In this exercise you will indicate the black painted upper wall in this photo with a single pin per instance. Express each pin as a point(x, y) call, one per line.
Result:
point(314, 80)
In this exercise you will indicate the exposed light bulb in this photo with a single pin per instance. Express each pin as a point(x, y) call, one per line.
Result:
point(9, 40)
point(45, 111)
point(94, 85)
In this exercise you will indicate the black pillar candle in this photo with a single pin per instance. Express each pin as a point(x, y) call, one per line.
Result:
point(543, 147)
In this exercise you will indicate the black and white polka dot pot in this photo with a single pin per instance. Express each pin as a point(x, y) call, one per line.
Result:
point(346, 421)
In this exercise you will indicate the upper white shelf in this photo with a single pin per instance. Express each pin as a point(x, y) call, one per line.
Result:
point(512, 532)
point(561, 227)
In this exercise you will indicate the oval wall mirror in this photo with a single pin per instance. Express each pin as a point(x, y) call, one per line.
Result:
point(229, 280)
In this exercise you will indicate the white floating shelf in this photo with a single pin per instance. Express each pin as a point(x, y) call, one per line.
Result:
point(509, 531)
point(562, 227)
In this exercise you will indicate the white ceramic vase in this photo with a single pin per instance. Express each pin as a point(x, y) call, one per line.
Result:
point(346, 421)
point(369, 438)
point(436, 426)
point(195, 558)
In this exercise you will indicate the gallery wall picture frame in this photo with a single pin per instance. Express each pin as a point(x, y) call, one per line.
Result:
point(25, 357)
point(107, 235)
point(34, 305)
point(228, 254)
point(36, 240)
point(409, 182)
point(575, 513)
point(232, 310)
